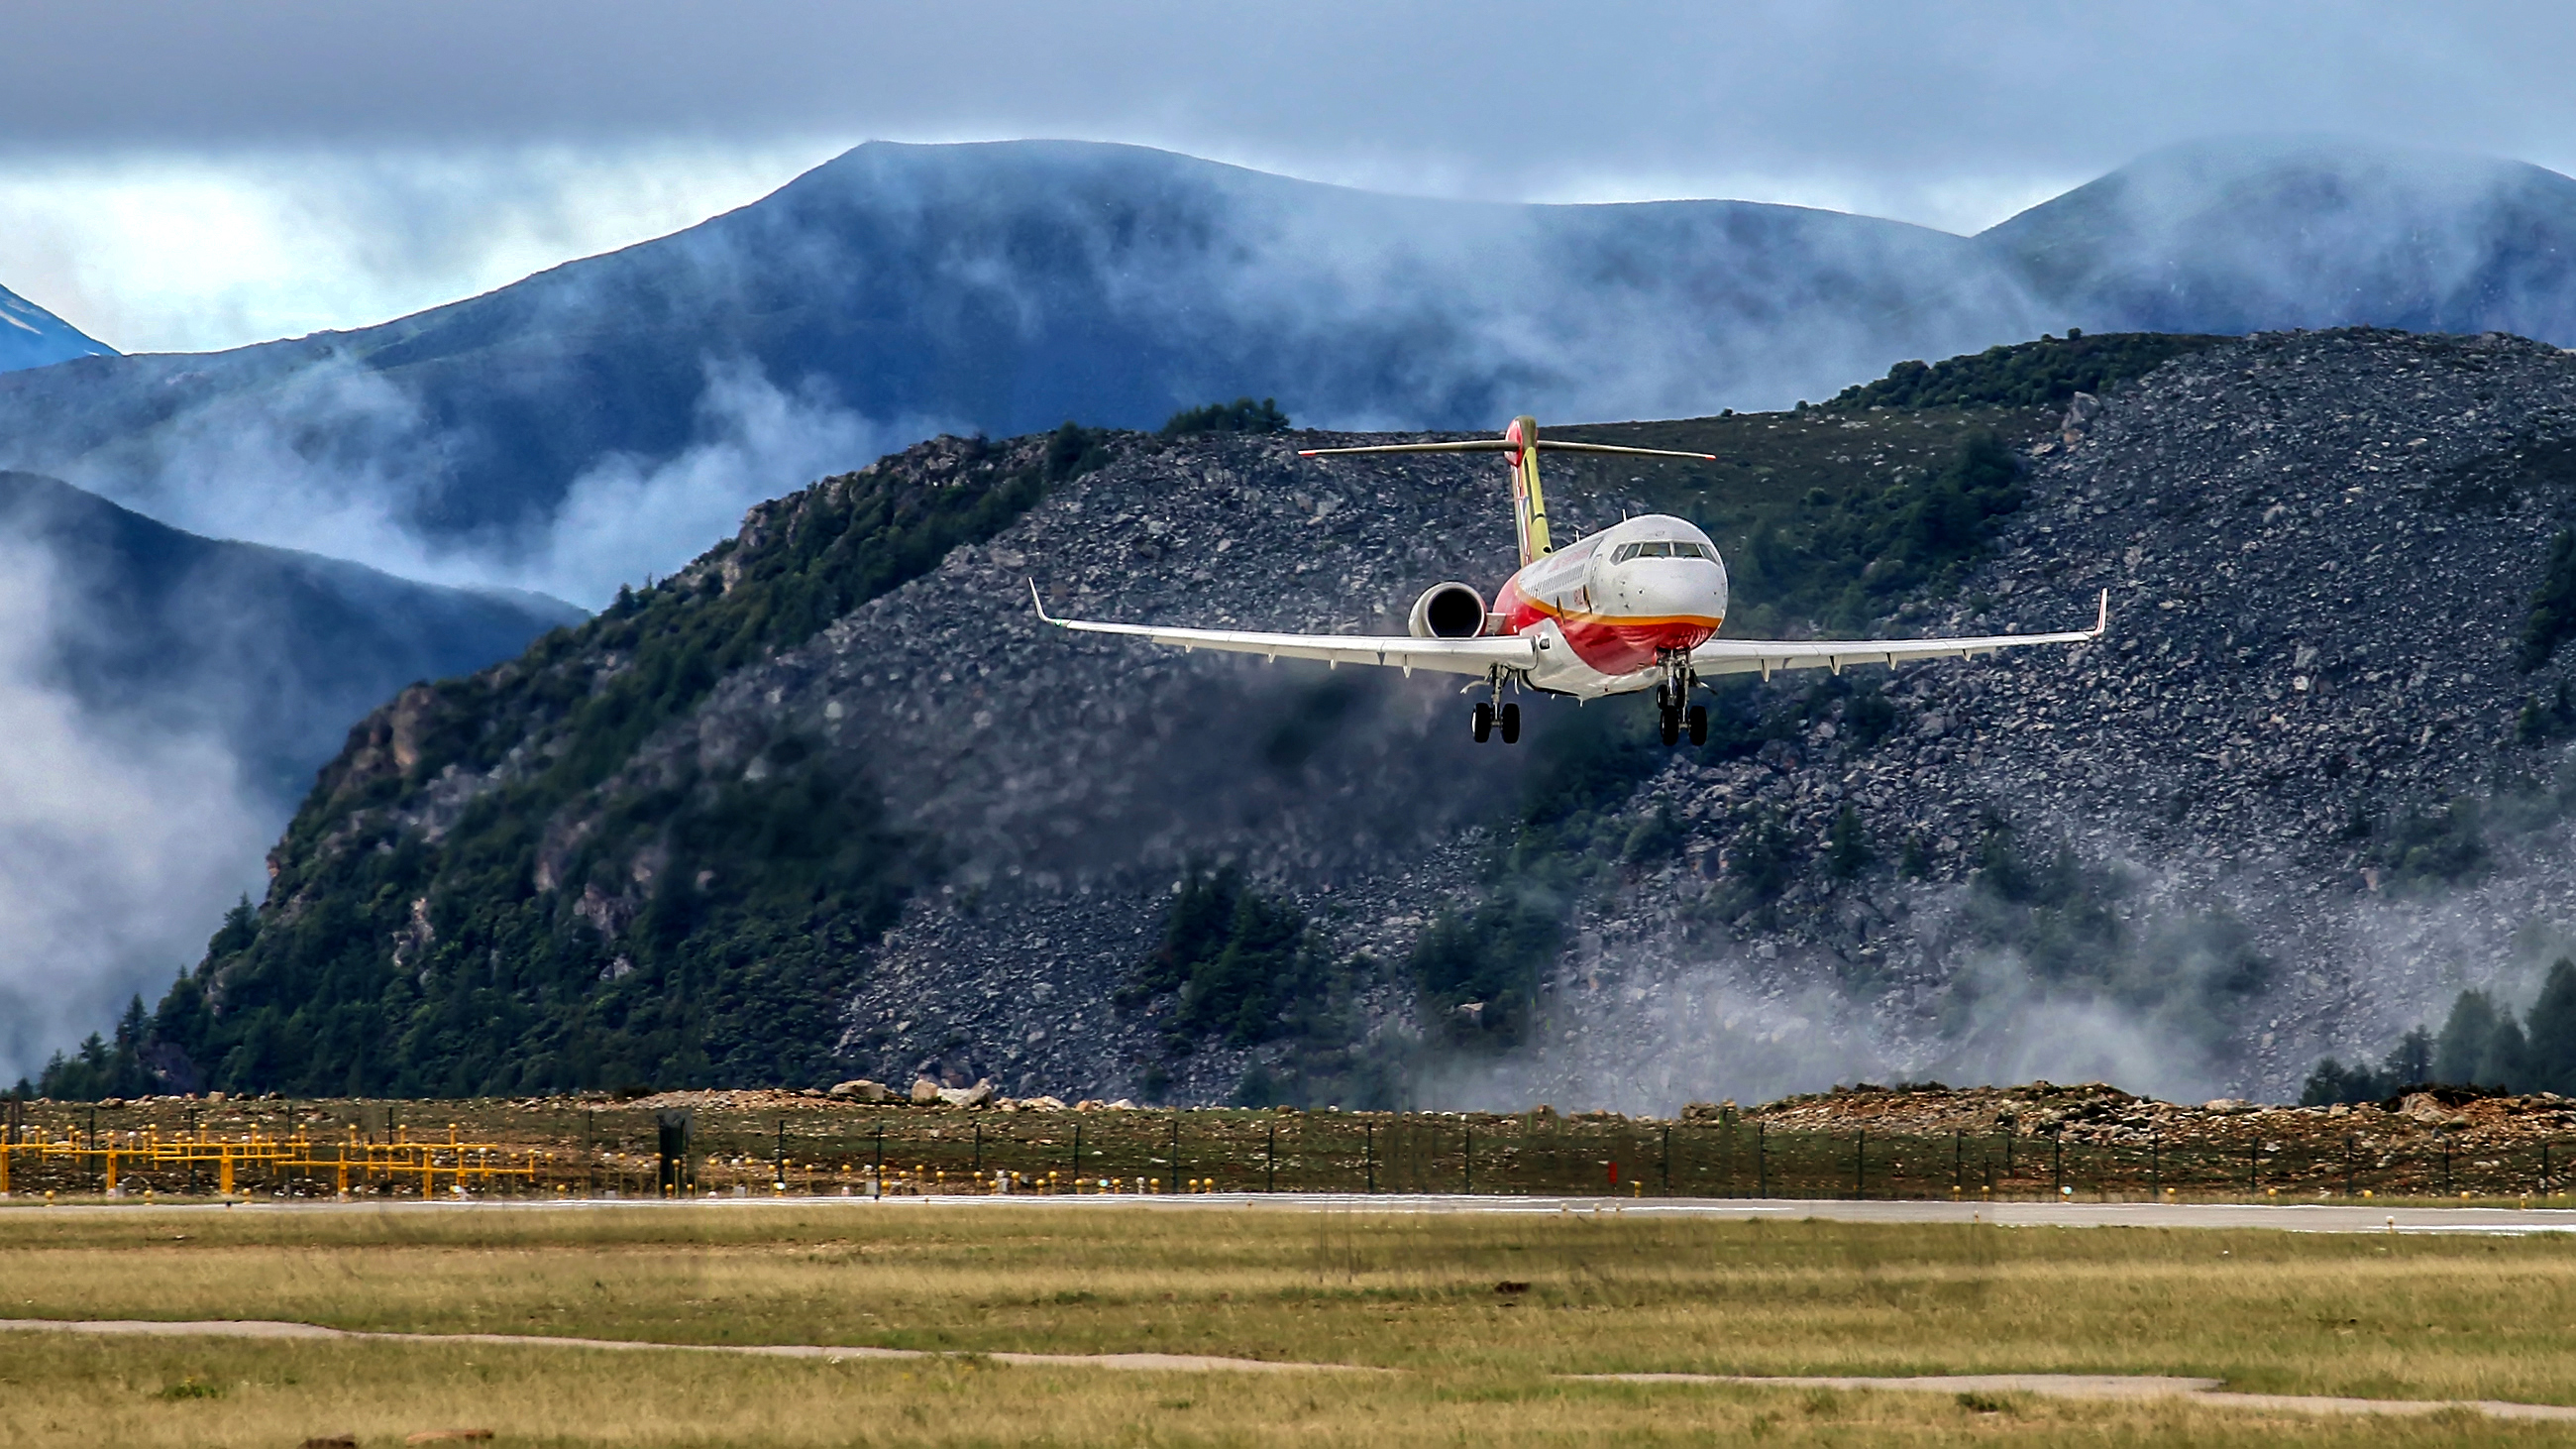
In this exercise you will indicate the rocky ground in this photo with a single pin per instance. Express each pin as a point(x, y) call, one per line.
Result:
point(2299, 811)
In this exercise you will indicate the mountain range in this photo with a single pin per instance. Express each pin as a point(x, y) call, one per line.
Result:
point(596, 423)
point(901, 290)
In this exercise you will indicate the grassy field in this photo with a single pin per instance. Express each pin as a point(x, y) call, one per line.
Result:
point(2362, 1316)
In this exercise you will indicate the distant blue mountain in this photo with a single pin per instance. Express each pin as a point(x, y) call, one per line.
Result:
point(268, 651)
point(30, 336)
point(1004, 287)
point(2275, 233)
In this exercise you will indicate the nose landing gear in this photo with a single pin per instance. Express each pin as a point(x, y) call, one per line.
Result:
point(1671, 714)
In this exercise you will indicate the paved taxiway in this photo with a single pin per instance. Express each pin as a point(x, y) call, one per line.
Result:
point(2306, 1217)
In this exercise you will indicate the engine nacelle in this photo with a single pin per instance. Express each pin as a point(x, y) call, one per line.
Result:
point(1447, 611)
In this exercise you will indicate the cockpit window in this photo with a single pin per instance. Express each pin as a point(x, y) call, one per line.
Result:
point(1661, 548)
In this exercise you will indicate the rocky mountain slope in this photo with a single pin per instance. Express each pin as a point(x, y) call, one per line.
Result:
point(900, 290)
point(832, 800)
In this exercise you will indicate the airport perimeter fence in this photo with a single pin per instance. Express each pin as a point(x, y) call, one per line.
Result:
point(330, 1149)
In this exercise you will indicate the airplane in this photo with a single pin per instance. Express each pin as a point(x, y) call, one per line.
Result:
point(1633, 607)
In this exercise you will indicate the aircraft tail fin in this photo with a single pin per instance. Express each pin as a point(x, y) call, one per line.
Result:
point(1520, 446)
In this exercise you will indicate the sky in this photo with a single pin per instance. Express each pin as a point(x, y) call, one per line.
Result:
point(181, 178)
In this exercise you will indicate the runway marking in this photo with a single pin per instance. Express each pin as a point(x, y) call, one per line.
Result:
point(2211, 1392)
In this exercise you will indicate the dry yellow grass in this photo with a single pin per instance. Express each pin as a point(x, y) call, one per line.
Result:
point(146, 1394)
point(2363, 1316)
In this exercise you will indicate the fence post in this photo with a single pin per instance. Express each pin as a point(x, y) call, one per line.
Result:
point(1270, 1160)
point(2057, 1160)
point(2347, 1163)
point(778, 1156)
point(1467, 1158)
point(1667, 1166)
point(1172, 1173)
point(876, 1176)
point(1761, 1164)
point(979, 1148)
point(2254, 1165)
point(1958, 1160)
point(1077, 1154)
point(1860, 1163)
point(2155, 1167)
point(1368, 1152)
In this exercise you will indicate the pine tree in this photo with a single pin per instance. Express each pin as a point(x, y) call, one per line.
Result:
point(2410, 1062)
point(2467, 1040)
point(2550, 1049)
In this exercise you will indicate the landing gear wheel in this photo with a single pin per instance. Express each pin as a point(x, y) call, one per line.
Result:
point(1482, 723)
point(1699, 724)
point(1511, 724)
point(1670, 718)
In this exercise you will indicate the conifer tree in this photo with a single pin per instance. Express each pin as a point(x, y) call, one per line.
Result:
point(2550, 1049)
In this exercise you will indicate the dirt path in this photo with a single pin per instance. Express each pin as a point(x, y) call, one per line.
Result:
point(830, 1353)
point(2212, 1392)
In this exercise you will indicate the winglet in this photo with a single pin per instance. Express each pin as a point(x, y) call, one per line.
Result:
point(2102, 620)
point(1042, 613)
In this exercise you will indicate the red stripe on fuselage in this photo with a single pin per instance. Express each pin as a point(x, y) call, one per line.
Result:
point(1607, 643)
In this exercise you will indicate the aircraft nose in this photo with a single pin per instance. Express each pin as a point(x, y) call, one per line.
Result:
point(1676, 588)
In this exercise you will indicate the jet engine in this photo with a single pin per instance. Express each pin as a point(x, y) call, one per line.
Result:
point(1447, 611)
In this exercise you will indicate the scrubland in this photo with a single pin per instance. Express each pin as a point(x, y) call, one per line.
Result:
point(1473, 1323)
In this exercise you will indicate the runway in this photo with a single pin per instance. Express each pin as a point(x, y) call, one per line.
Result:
point(2304, 1217)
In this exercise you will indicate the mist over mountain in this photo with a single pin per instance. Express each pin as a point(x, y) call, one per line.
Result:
point(271, 651)
point(167, 699)
point(2278, 233)
point(30, 336)
point(598, 421)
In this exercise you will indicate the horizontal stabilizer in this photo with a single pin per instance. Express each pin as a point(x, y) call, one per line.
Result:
point(1503, 445)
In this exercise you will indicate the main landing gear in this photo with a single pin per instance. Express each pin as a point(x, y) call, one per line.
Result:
point(1672, 714)
point(1495, 712)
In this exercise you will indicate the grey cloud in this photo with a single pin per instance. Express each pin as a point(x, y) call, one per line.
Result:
point(1504, 100)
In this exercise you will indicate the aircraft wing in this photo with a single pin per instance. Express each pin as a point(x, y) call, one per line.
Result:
point(1746, 656)
point(1449, 656)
